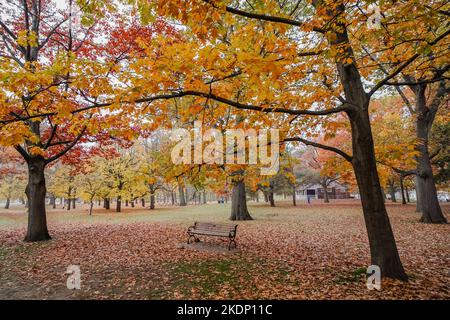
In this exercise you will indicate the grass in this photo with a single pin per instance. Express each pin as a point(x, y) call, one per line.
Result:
point(17, 217)
point(218, 277)
point(354, 276)
point(304, 252)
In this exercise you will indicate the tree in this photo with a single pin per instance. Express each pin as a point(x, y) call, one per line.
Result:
point(423, 86)
point(55, 71)
point(92, 183)
point(43, 69)
point(12, 176)
point(335, 41)
point(65, 183)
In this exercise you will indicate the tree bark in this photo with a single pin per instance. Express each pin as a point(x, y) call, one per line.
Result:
point(53, 201)
point(239, 209)
point(152, 200)
point(107, 203)
point(326, 198)
point(271, 199)
point(7, 203)
point(181, 195)
point(73, 203)
point(90, 207)
point(36, 191)
point(383, 249)
point(402, 189)
point(416, 187)
point(294, 200)
point(407, 194)
point(392, 191)
point(119, 204)
point(427, 195)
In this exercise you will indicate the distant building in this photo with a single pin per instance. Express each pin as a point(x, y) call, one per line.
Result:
point(316, 191)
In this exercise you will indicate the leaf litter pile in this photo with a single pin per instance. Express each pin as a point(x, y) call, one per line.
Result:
point(304, 252)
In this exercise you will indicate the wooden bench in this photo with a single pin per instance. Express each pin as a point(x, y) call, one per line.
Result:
point(213, 229)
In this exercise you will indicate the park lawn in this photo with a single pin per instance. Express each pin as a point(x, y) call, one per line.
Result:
point(317, 251)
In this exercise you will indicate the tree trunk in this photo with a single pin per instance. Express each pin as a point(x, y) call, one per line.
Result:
point(119, 204)
point(407, 194)
point(392, 192)
point(402, 189)
point(126, 203)
point(90, 207)
point(143, 202)
point(181, 195)
point(239, 209)
point(383, 249)
point(53, 201)
point(152, 200)
point(7, 203)
point(107, 203)
point(427, 193)
point(271, 199)
point(294, 199)
point(69, 203)
point(428, 201)
point(172, 197)
point(73, 203)
point(326, 198)
point(416, 187)
point(35, 191)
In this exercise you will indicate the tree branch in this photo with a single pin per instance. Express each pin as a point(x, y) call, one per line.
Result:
point(265, 17)
point(404, 65)
point(67, 148)
point(343, 154)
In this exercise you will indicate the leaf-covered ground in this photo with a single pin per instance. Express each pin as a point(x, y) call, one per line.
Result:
point(306, 252)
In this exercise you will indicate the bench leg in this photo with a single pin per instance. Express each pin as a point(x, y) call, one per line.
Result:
point(196, 239)
point(232, 241)
point(189, 239)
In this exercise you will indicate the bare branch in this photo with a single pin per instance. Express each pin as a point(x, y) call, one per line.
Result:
point(404, 65)
point(343, 154)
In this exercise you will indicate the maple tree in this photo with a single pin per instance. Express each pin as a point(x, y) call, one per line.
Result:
point(302, 67)
point(54, 65)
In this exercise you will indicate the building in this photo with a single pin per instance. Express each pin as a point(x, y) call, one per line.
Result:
point(316, 191)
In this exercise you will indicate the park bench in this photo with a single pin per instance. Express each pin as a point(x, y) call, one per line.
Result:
point(213, 229)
